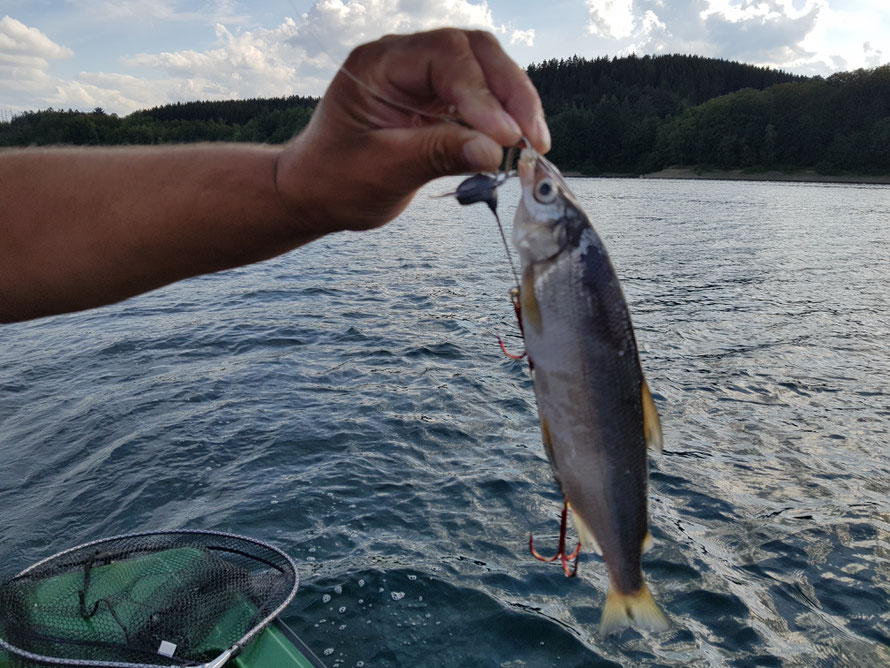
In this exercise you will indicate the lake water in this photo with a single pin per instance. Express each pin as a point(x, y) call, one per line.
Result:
point(349, 403)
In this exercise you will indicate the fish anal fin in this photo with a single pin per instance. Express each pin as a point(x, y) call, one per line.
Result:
point(548, 447)
point(531, 312)
point(545, 437)
point(651, 423)
point(585, 535)
point(638, 610)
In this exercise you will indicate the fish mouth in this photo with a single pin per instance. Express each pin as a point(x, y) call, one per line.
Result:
point(532, 166)
point(528, 159)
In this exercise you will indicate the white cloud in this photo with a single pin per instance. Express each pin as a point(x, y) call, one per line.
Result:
point(806, 36)
point(611, 18)
point(17, 39)
point(873, 57)
point(25, 55)
point(526, 37)
point(230, 56)
point(791, 34)
point(332, 27)
point(840, 31)
point(296, 57)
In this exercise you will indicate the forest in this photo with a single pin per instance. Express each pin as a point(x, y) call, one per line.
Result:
point(629, 115)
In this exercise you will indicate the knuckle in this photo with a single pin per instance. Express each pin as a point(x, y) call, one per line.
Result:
point(450, 39)
point(362, 54)
point(485, 38)
point(437, 157)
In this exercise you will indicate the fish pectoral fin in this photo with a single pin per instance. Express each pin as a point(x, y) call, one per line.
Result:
point(531, 312)
point(638, 610)
point(651, 423)
point(585, 535)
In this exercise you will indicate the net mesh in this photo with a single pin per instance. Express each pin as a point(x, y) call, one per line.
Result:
point(121, 601)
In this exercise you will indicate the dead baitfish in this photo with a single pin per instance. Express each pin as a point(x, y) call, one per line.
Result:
point(597, 415)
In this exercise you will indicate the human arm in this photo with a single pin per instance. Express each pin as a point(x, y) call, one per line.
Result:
point(81, 227)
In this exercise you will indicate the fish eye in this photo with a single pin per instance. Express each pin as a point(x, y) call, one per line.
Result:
point(545, 191)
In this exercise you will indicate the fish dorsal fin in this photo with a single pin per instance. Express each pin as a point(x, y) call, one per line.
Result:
point(651, 423)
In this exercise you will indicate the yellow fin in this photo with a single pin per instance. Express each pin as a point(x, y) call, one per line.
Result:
point(545, 437)
point(647, 542)
point(651, 423)
point(638, 610)
point(585, 535)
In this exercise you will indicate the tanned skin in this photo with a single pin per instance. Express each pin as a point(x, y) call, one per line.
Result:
point(83, 227)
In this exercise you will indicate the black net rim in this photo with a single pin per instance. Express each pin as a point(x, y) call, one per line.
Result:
point(232, 651)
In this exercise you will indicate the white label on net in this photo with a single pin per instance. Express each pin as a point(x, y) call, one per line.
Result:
point(166, 648)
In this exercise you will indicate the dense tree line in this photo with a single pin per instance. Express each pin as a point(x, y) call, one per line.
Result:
point(605, 114)
point(839, 124)
point(272, 120)
point(627, 115)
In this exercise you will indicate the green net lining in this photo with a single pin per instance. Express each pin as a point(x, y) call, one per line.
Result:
point(129, 600)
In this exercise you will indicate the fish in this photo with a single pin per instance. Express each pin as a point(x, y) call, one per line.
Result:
point(596, 412)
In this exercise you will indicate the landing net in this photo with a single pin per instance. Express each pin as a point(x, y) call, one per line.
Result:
point(169, 598)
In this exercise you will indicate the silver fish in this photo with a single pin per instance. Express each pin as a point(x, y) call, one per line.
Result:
point(597, 415)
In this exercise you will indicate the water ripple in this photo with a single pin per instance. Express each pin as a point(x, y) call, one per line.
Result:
point(349, 402)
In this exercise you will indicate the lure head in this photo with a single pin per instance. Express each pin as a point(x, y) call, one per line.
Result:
point(479, 188)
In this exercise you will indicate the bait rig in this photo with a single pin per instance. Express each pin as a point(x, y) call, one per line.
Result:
point(484, 188)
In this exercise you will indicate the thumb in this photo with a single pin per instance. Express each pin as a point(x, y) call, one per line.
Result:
point(443, 150)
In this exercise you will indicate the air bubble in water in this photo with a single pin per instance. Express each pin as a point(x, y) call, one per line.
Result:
point(342, 609)
point(338, 589)
point(328, 651)
point(412, 577)
point(325, 598)
point(397, 595)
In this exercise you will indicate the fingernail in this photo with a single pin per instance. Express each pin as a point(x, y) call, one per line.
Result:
point(543, 132)
point(482, 153)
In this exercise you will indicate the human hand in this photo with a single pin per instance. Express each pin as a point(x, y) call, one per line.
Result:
point(367, 150)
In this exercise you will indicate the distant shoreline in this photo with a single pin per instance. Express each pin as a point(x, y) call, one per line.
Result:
point(740, 175)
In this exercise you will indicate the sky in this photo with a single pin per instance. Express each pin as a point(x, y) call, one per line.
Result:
point(124, 55)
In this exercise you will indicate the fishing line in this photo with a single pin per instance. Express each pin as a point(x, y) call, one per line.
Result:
point(497, 181)
point(506, 248)
point(505, 174)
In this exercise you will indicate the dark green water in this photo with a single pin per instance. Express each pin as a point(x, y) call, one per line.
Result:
point(350, 404)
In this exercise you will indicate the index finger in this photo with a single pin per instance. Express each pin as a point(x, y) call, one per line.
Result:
point(443, 65)
point(511, 85)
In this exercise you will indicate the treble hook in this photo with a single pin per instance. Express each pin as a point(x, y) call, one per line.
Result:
point(561, 553)
point(508, 353)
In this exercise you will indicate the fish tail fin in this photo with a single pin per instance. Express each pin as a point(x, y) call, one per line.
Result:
point(637, 609)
